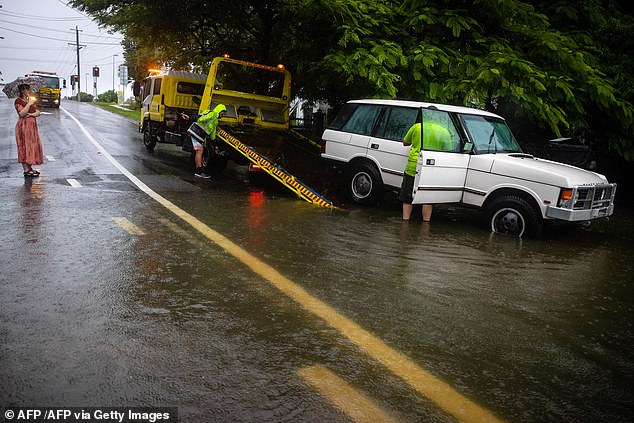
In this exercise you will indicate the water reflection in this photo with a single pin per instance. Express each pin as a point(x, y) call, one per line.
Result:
point(31, 211)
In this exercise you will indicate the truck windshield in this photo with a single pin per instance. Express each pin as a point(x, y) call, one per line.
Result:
point(251, 80)
point(51, 82)
point(490, 135)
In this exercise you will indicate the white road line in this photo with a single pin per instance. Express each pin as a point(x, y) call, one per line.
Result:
point(74, 183)
point(422, 381)
point(50, 158)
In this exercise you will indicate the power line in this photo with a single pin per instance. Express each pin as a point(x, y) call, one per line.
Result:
point(27, 48)
point(51, 38)
point(42, 18)
point(33, 60)
point(73, 9)
point(60, 30)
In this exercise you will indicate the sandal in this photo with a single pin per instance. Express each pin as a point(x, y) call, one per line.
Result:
point(30, 173)
point(35, 172)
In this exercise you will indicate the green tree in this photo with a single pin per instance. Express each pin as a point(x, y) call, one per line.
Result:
point(527, 60)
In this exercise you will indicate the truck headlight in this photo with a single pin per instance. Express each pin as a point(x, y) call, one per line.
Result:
point(56, 101)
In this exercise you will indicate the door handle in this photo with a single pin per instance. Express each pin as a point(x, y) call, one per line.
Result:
point(374, 146)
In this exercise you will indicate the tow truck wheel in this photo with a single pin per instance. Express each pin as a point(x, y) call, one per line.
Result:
point(149, 141)
point(513, 215)
point(364, 184)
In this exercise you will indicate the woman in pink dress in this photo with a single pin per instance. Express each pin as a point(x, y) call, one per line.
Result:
point(27, 136)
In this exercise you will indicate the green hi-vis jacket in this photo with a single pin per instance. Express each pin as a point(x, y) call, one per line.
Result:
point(209, 120)
point(437, 137)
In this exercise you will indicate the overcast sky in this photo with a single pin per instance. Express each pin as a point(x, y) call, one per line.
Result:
point(37, 34)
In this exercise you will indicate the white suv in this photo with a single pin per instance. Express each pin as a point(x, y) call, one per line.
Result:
point(478, 162)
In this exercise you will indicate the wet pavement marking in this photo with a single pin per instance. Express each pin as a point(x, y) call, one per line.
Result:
point(182, 232)
point(419, 379)
point(74, 183)
point(356, 405)
point(50, 158)
point(128, 226)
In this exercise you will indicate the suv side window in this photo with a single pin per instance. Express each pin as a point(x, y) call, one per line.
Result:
point(439, 132)
point(343, 116)
point(395, 122)
point(362, 120)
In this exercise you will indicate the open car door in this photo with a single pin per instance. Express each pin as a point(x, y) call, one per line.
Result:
point(442, 164)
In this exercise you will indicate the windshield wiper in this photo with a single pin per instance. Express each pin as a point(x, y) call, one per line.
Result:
point(491, 139)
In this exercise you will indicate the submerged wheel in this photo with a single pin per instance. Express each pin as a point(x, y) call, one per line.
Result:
point(365, 185)
point(512, 215)
point(149, 140)
point(214, 164)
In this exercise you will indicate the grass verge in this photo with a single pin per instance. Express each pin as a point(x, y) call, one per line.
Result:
point(132, 114)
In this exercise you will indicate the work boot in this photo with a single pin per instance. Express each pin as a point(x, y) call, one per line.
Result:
point(199, 173)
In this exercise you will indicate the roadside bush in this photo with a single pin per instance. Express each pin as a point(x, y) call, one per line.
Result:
point(107, 97)
point(85, 97)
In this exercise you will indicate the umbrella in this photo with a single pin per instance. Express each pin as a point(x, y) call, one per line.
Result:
point(11, 89)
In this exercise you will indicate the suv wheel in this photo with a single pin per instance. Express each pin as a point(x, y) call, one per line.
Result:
point(512, 215)
point(365, 185)
point(149, 140)
point(214, 164)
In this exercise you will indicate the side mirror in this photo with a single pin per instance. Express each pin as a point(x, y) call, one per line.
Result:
point(468, 148)
point(64, 83)
point(136, 89)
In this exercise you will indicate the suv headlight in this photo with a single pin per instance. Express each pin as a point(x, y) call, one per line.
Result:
point(567, 198)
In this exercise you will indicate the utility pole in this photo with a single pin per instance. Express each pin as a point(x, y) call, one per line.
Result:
point(78, 68)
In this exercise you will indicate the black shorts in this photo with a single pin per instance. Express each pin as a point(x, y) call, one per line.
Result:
point(407, 189)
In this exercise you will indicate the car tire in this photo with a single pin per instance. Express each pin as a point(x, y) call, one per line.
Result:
point(213, 164)
point(513, 215)
point(364, 184)
point(149, 140)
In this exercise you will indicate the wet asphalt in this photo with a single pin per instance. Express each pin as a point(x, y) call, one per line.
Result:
point(93, 315)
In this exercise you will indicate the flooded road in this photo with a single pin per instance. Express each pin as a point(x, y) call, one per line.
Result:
point(94, 312)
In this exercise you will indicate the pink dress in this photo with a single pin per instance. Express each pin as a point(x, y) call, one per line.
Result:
point(27, 136)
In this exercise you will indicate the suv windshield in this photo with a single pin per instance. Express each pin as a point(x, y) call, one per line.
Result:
point(490, 135)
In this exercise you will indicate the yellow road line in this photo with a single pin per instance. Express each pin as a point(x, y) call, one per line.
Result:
point(423, 382)
point(129, 227)
point(353, 403)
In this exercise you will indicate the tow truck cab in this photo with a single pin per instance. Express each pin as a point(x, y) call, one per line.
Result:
point(164, 96)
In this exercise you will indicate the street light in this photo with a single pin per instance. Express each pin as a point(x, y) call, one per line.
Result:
point(113, 72)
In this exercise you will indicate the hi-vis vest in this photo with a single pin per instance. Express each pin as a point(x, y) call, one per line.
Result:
point(208, 120)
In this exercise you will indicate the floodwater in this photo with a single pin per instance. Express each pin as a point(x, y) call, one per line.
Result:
point(91, 315)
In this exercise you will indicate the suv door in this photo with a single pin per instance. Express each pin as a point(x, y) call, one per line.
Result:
point(386, 144)
point(442, 166)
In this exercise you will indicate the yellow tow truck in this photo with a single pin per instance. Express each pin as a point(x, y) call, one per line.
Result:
point(255, 129)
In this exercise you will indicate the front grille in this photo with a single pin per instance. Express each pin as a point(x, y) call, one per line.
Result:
point(596, 197)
